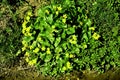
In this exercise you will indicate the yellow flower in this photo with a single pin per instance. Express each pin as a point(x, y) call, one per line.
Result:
point(57, 12)
point(57, 57)
point(65, 16)
point(85, 46)
point(71, 55)
point(28, 29)
point(96, 36)
point(73, 42)
point(64, 68)
point(59, 8)
point(23, 48)
point(46, 11)
point(67, 54)
point(43, 48)
point(24, 24)
point(64, 20)
point(54, 7)
point(68, 65)
point(29, 13)
point(23, 30)
point(92, 28)
point(31, 47)
point(27, 59)
point(39, 38)
point(27, 18)
point(27, 54)
point(32, 62)
point(81, 23)
point(23, 42)
point(29, 34)
point(53, 26)
point(48, 51)
point(36, 50)
point(74, 37)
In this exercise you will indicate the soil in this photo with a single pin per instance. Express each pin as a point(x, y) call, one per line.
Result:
point(23, 72)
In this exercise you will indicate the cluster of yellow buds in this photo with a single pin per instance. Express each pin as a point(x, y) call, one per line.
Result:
point(32, 62)
point(96, 36)
point(48, 51)
point(26, 30)
point(57, 9)
point(47, 12)
point(68, 66)
point(43, 48)
point(36, 50)
point(73, 40)
point(64, 18)
point(92, 28)
point(69, 55)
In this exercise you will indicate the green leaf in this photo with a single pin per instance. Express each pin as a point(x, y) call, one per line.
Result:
point(85, 37)
point(63, 35)
point(118, 39)
point(89, 22)
point(58, 50)
point(42, 56)
point(64, 46)
point(57, 41)
point(70, 30)
point(28, 38)
point(45, 43)
point(50, 19)
point(115, 31)
point(48, 58)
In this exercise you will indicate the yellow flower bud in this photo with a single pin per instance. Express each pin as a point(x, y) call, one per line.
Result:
point(23, 48)
point(81, 23)
point(31, 47)
point(32, 62)
point(46, 11)
point(96, 36)
point(23, 42)
point(67, 54)
point(71, 55)
point(74, 37)
point(39, 39)
point(85, 46)
point(48, 51)
point(68, 65)
point(27, 59)
point(64, 20)
point(57, 57)
point(57, 12)
point(64, 68)
point(53, 26)
point(54, 7)
point(43, 48)
point(36, 50)
point(27, 54)
point(29, 13)
point(65, 16)
point(74, 42)
point(27, 18)
point(92, 28)
point(24, 24)
point(59, 8)
point(28, 29)
point(29, 34)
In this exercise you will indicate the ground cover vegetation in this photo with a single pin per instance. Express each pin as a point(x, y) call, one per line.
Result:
point(63, 36)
